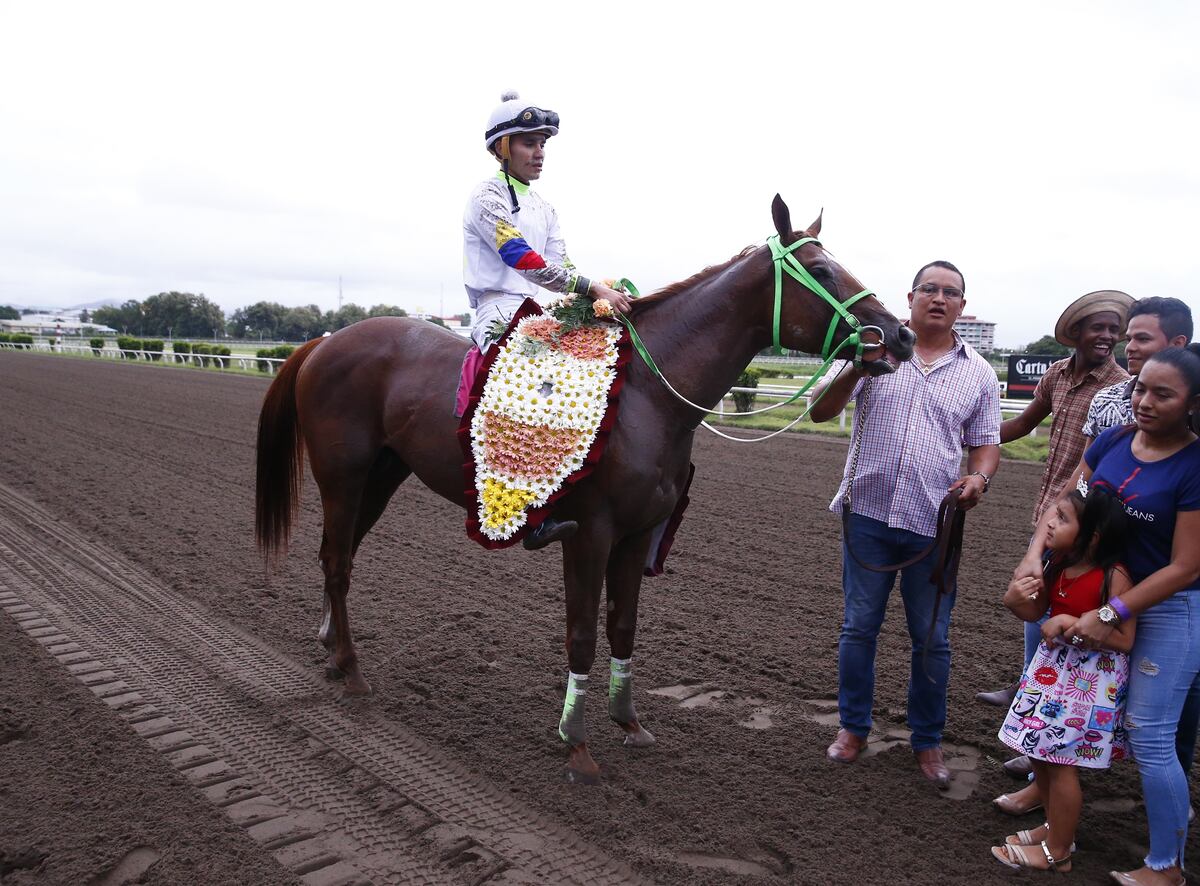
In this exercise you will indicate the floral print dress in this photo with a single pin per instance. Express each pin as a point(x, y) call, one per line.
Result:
point(1070, 707)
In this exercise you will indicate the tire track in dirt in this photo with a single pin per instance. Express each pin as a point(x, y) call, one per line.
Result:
point(337, 794)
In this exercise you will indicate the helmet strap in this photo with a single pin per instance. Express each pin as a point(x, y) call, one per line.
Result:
point(512, 192)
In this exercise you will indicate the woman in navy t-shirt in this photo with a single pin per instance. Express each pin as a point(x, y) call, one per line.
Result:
point(1154, 468)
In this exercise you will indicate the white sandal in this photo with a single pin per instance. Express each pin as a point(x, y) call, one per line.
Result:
point(1026, 838)
point(1015, 857)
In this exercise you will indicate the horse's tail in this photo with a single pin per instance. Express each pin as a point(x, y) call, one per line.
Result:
point(280, 457)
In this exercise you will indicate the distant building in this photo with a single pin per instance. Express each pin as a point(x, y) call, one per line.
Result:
point(53, 323)
point(979, 334)
point(453, 323)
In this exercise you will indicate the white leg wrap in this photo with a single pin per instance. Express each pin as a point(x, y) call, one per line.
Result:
point(620, 690)
point(571, 727)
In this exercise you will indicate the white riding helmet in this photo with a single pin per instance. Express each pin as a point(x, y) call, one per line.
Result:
point(512, 116)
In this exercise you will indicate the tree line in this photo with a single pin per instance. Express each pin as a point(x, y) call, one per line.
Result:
point(184, 315)
point(187, 315)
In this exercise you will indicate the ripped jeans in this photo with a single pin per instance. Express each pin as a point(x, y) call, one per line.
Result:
point(1164, 669)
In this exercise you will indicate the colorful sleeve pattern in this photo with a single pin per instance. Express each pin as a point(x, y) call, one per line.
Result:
point(515, 252)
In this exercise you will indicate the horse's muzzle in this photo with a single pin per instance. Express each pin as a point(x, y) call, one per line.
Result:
point(896, 348)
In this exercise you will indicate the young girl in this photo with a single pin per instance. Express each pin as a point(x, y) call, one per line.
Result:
point(1069, 709)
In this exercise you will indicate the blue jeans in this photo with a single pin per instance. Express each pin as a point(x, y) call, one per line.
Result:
point(1033, 639)
point(866, 594)
point(1164, 672)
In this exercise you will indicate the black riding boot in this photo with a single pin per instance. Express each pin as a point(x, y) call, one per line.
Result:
point(550, 530)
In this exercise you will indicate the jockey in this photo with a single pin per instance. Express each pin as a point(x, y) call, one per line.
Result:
point(512, 246)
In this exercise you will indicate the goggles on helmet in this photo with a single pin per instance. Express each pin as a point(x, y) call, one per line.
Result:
point(529, 119)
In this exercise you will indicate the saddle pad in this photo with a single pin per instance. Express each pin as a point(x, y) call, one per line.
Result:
point(537, 420)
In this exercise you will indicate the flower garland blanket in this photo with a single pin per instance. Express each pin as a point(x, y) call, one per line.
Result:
point(537, 421)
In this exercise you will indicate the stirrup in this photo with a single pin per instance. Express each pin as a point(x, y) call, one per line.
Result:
point(548, 531)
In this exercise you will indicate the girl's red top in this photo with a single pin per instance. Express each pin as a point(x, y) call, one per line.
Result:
point(1075, 596)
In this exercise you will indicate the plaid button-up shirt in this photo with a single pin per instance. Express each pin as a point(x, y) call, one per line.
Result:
point(912, 442)
point(1068, 400)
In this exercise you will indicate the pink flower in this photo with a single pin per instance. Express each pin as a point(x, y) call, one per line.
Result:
point(541, 328)
point(585, 343)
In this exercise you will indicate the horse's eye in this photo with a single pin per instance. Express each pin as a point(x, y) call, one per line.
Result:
point(822, 273)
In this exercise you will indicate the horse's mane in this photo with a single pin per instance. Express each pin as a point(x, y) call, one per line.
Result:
point(698, 277)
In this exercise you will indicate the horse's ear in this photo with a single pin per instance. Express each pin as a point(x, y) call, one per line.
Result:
point(783, 218)
point(814, 230)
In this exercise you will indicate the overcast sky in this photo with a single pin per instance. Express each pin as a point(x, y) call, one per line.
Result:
point(256, 151)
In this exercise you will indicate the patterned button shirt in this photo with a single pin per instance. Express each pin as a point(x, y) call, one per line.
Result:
point(912, 441)
point(1110, 407)
point(1068, 400)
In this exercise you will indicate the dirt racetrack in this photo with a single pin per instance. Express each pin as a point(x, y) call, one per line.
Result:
point(105, 465)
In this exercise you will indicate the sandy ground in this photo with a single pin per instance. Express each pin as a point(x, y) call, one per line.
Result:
point(735, 663)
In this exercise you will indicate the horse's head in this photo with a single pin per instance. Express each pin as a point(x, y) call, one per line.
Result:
point(815, 318)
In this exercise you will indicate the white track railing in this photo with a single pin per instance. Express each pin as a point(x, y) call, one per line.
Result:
point(233, 361)
point(241, 361)
point(1011, 407)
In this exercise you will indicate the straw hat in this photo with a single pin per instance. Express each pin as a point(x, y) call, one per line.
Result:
point(1093, 303)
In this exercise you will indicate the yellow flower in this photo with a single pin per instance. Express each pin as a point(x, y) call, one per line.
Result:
point(502, 503)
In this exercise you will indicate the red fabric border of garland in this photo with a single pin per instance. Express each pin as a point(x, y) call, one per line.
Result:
point(530, 308)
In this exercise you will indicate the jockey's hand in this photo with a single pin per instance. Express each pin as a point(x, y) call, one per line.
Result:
point(619, 300)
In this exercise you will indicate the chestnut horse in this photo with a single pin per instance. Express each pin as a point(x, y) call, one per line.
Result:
point(372, 404)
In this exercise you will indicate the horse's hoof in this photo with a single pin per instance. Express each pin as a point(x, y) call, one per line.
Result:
point(581, 768)
point(576, 776)
point(357, 685)
point(638, 738)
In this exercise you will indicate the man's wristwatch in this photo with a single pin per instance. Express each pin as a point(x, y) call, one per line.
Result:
point(1108, 616)
point(987, 481)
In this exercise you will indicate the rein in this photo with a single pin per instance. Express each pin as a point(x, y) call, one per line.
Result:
point(947, 539)
point(784, 262)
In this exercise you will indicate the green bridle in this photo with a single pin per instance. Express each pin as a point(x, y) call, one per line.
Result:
point(784, 261)
point(787, 263)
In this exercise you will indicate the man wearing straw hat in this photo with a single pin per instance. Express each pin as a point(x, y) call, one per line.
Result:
point(1092, 325)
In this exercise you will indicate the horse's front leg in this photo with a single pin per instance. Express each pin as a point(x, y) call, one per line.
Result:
point(584, 559)
point(624, 581)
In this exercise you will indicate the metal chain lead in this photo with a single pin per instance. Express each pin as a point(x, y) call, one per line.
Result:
point(860, 421)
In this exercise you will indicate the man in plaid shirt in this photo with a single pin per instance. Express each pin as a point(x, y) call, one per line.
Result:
point(918, 420)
